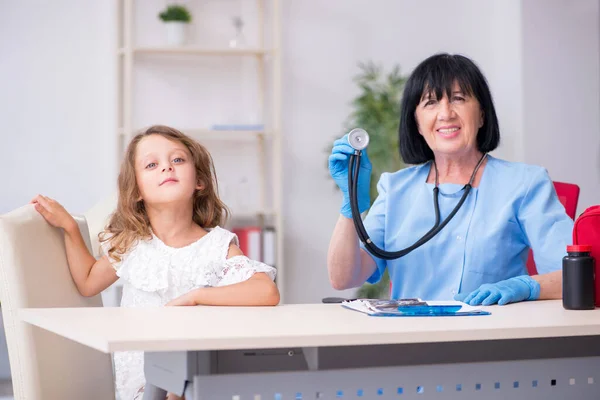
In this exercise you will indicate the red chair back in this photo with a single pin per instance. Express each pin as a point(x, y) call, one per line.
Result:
point(568, 194)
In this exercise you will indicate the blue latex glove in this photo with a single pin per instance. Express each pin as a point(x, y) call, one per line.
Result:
point(511, 290)
point(338, 168)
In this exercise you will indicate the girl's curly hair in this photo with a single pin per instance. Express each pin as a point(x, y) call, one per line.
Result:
point(130, 223)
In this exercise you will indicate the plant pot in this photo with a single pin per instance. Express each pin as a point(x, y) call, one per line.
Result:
point(176, 33)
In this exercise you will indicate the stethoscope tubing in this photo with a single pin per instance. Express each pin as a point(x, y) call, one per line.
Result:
point(353, 173)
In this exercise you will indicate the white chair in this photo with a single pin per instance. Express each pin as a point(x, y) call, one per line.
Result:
point(34, 273)
point(97, 217)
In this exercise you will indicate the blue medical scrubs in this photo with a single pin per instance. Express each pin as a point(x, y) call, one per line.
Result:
point(514, 208)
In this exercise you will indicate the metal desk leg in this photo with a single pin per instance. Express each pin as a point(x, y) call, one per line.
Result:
point(174, 372)
point(151, 392)
point(168, 371)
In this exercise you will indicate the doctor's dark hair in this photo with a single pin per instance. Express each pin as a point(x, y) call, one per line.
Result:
point(437, 74)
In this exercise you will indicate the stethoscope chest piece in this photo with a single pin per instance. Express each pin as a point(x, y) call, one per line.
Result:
point(358, 139)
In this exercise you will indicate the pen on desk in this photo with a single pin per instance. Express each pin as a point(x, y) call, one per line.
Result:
point(329, 300)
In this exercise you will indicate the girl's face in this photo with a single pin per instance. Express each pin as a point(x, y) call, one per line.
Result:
point(165, 172)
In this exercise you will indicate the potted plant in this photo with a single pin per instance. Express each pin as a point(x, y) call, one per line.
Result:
point(376, 109)
point(176, 17)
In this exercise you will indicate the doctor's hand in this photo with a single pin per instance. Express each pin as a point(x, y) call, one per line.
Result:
point(338, 168)
point(512, 290)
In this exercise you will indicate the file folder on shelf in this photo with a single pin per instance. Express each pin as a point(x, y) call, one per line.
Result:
point(412, 308)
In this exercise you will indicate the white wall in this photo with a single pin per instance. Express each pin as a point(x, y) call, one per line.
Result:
point(322, 44)
point(57, 101)
point(561, 104)
point(56, 105)
point(190, 92)
point(505, 75)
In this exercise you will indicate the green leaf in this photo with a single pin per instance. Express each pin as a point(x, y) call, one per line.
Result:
point(175, 12)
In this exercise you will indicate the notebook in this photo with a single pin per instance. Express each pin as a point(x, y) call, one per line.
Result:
point(412, 308)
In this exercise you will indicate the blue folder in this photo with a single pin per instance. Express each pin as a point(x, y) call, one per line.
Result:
point(412, 308)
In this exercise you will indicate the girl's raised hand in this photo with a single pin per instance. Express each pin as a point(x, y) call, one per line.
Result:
point(54, 213)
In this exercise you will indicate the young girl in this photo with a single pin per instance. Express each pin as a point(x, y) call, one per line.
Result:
point(164, 240)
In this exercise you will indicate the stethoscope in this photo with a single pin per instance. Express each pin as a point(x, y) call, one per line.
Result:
point(359, 140)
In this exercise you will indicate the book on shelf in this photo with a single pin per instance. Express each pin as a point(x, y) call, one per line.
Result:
point(238, 127)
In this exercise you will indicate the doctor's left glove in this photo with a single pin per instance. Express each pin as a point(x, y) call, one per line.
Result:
point(338, 168)
point(513, 290)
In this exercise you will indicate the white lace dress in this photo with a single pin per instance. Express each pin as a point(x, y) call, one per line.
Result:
point(154, 274)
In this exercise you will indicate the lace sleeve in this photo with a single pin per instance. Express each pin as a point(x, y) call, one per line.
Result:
point(240, 268)
point(104, 247)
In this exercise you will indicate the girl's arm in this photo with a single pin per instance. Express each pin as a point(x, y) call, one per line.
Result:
point(258, 290)
point(91, 276)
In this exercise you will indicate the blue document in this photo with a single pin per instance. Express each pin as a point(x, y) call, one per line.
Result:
point(412, 308)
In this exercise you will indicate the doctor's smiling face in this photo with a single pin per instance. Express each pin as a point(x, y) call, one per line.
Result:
point(449, 122)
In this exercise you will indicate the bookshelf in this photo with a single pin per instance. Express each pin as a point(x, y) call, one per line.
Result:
point(265, 140)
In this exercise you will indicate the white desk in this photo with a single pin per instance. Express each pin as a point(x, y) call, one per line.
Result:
point(325, 351)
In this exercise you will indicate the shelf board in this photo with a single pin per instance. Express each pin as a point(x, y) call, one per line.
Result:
point(251, 214)
point(220, 134)
point(226, 134)
point(193, 50)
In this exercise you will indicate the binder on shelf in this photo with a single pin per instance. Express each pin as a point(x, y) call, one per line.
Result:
point(269, 245)
point(257, 244)
point(250, 241)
